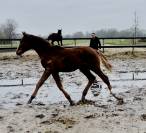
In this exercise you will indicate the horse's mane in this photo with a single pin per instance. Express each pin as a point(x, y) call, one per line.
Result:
point(42, 42)
point(38, 41)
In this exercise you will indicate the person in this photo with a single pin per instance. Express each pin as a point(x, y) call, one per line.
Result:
point(95, 42)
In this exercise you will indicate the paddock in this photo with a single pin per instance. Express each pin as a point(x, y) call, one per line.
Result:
point(51, 112)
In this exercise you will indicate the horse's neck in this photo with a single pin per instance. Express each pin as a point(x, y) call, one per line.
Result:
point(59, 32)
point(42, 53)
point(41, 48)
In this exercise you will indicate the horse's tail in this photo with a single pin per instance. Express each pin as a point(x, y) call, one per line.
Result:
point(104, 60)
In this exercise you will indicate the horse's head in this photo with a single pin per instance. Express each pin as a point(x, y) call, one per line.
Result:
point(60, 31)
point(24, 44)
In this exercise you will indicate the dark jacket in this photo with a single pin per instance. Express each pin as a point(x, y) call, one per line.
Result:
point(95, 43)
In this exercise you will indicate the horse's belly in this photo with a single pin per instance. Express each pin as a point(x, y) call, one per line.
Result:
point(68, 69)
point(68, 65)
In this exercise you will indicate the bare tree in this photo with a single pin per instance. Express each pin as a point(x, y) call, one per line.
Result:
point(78, 34)
point(9, 28)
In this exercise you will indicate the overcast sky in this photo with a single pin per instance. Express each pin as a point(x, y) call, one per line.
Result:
point(46, 16)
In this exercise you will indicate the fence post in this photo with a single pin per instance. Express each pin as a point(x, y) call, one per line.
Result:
point(11, 43)
point(133, 77)
point(103, 45)
point(75, 42)
point(22, 82)
point(134, 43)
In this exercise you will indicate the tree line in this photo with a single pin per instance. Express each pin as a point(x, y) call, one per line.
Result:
point(109, 33)
point(8, 31)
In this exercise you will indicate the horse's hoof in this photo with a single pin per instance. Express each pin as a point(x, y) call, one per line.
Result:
point(82, 101)
point(120, 101)
point(29, 102)
point(72, 103)
point(85, 101)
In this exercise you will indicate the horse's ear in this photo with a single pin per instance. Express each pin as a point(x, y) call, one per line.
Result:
point(24, 33)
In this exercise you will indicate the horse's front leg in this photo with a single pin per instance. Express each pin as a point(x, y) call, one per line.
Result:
point(59, 84)
point(58, 43)
point(44, 77)
point(61, 42)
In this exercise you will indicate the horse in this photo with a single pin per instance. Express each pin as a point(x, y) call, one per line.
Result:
point(57, 59)
point(56, 37)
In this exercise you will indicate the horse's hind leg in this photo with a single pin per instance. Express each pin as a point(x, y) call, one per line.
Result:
point(45, 75)
point(91, 79)
point(106, 81)
point(52, 42)
point(59, 84)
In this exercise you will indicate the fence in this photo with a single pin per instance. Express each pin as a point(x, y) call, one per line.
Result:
point(109, 42)
point(114, 77)
point(118, 42)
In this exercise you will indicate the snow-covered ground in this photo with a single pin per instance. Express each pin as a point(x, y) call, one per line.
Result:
point(18, 77)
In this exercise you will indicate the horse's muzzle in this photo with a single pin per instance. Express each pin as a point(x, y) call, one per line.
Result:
point(18, 52)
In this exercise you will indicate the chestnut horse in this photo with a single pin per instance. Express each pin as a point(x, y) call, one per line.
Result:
point(56, 37)
point(57, 59)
